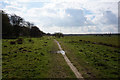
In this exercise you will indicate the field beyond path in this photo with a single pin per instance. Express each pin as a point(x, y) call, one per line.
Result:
point(92, 60)
point(73, 68)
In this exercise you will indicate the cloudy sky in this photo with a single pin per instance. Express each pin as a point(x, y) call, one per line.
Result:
point(67, 16)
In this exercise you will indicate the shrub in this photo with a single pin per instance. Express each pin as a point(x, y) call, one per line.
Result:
point(20, 41)
point(30, 40)
point(12, 42)
point(58, 35)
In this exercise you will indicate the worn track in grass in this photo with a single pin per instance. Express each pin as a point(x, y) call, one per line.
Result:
point(73, 68)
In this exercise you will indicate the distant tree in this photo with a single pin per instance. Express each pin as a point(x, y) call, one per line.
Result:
point(16, 20)
point(58, 35)
point(110, 34)
point(17, 23)
point(28, 24)
point(35, 32)
point(6, 26)
point(25, 31)
point(14, 26)
point(48, 34)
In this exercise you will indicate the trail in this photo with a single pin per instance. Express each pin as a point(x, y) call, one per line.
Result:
point(73, 68)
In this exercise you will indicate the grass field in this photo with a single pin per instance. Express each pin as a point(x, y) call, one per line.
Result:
point(113, 40)
point(35, 59)
point(93, 60)
point(38, 58)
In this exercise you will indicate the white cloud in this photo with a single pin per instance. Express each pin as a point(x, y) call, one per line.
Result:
point(109, 29)
point(82, 1)
point(66, 30)
point(73, 16)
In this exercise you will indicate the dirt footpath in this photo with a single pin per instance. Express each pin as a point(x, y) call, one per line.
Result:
point(73, 68)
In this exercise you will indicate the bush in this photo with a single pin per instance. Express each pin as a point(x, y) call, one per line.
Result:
point(12, 42)
point(30, 40)
point(19, 41)
point(58, 35)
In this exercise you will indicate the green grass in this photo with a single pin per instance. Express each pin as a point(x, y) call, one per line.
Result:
point(59, 68)
point(92, 60)
point(113, 40)
point(36, 59)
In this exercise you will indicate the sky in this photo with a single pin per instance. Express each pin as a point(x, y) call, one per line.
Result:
point(67, 16)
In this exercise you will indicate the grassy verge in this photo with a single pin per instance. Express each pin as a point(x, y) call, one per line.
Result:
point(35, 58)
point(92, 60)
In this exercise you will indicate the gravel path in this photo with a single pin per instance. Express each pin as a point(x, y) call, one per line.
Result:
point(73, 68)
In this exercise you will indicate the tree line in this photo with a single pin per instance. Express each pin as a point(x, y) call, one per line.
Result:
point(14, 26)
